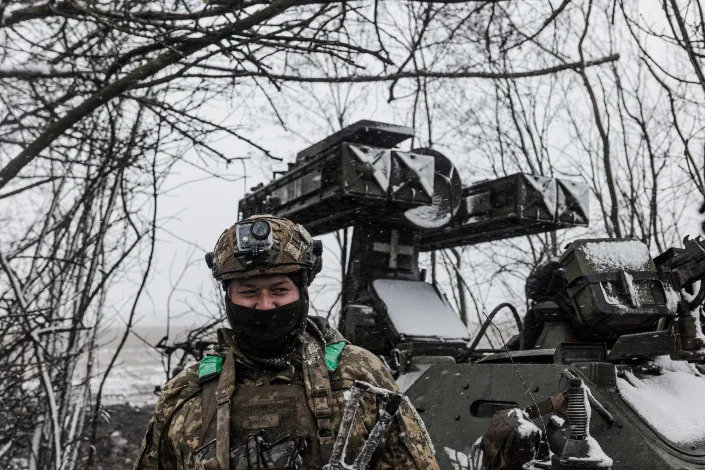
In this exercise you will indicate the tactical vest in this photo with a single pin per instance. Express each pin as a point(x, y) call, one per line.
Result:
point(280, 427)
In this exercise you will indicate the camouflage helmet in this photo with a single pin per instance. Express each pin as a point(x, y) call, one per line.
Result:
point(265, 244)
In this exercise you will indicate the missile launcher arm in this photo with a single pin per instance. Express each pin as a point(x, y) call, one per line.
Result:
point(401, 203)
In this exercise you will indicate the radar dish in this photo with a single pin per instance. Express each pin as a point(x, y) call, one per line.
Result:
point(447, 189)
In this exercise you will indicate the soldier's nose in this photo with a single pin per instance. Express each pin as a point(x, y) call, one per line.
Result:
point(265, 302)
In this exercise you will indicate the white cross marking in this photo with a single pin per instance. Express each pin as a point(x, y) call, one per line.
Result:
point(393, 248)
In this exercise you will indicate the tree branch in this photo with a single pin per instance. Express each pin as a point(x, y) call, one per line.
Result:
point(396, 76)
point(32, 73)
point(114, 89)
point(50, 9)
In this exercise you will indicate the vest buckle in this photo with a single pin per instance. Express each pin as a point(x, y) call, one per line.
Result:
point(322, 411)
point(318, 391)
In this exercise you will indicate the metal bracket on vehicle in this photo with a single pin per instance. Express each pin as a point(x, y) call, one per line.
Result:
point(390, 401)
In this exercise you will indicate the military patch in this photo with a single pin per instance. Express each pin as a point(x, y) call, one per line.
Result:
point(333, 351)
point(210, 365)
point(260, 422)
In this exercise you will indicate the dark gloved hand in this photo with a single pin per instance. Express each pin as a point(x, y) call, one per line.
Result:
point(511, 440)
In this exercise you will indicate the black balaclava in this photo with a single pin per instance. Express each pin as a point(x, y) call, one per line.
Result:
point(270, 337)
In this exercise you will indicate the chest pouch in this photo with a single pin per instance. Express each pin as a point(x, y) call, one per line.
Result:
point(272, 427)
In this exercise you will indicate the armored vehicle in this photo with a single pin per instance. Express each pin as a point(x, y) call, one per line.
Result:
point(605, 311)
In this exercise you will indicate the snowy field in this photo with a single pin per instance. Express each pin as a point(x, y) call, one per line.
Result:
point(138, 370)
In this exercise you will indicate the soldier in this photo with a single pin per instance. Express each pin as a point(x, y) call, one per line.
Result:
point(272, 393)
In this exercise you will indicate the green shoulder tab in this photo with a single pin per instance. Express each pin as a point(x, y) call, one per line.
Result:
point(333, 351)
point(210, 365)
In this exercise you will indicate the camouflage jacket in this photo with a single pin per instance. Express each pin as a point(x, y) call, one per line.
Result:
point(180, 409)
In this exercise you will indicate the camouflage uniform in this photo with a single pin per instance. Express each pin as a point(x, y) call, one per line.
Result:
point(179, 413)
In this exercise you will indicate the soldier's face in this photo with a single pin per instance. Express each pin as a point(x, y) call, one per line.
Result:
point(263, 292)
